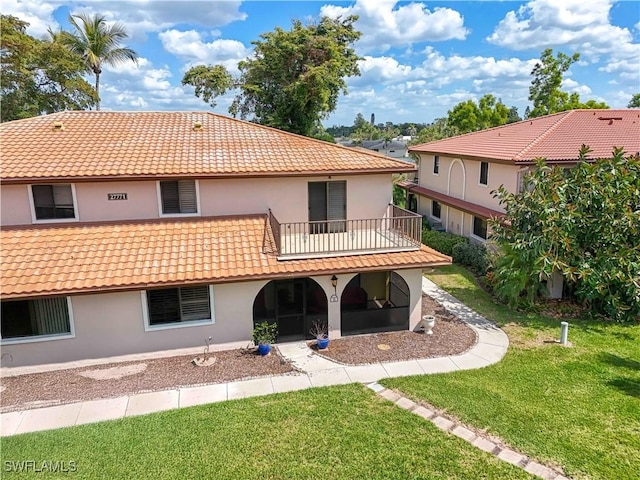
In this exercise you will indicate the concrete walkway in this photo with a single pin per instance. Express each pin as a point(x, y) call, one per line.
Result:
point(315, 371)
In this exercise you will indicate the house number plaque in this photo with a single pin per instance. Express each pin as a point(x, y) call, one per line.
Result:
point(116, 196)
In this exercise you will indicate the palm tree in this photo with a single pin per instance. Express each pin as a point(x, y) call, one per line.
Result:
point(98, 43)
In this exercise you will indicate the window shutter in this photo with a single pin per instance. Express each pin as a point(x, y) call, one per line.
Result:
point(194, 303)
point(170, 197)
point(164, 306)
point(187, 193)
point(49, 316)
point(336, 205)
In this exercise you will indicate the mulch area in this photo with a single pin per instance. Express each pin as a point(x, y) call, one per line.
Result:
point(450, 337)
point(66, 386)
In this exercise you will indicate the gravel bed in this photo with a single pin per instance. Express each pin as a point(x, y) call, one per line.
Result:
point(450, 337)
point(124, 378)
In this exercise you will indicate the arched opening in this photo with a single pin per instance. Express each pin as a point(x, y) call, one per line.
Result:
point(374, 302)
point(293, 305)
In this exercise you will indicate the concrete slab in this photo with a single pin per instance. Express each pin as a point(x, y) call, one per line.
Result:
point(464, 433)
point(191, 396)
point(376, 387)
point(366, 373)
point(437, 365)
point(249, 388)
point(491, 353)
point(442, 423)
point(290, 383)
point(469, 361)
point(510, 456)
point(49, 418)
point(403, 369)
point(406, 403)
point(484, 444)
point(143, 403)
point(293, 350)
point(335, 376)
point(390, 395)
point(101, 410)
point(9, 423)
point(314, 363)
point(534, 468)
point(424, 412)
point(492, 336)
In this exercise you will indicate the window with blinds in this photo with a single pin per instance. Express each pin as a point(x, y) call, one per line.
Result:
point(52, 201)
point(178, 196)
point(175, 305)
point(31, 318)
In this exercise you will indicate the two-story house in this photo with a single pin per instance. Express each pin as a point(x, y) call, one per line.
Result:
point(135, 232)
point(457, 175)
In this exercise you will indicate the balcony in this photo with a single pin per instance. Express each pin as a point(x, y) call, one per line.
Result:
point(398, 230)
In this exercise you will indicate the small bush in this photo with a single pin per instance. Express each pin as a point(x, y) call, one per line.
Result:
point(473, 256)
point(442, 241)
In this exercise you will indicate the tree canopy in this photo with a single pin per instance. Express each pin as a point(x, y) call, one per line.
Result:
point(38, 76)
point(583, 222)
point(545, 91)
point(468, 116)
point(635, 101)
point(97, 43)
point(292, 80)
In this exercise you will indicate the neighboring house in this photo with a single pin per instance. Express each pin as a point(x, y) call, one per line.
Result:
point(393, 148)
point(457, 175)
point(135, 232)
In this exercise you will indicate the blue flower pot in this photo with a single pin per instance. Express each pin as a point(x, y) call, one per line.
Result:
point(322, 342)
point(264, 349)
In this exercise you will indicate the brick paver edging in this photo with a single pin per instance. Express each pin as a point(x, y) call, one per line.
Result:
point(476, 439)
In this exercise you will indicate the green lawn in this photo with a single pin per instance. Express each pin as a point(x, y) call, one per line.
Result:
point(578, 407)
point(344, 432)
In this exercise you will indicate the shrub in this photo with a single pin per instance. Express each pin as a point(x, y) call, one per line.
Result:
point(442, 241)
point(473, 256)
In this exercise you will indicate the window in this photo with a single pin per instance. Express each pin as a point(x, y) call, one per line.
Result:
point(436, 209)
point(327, 206)
point(436, 165)
point(484, 173)
point(169, 306)
point(53, 202)
point(480, 227)
point(178, 197)
point(30, 320)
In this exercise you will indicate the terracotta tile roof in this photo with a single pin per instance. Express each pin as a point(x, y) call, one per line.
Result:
point(65, 259)
point(468, 207)
point(166, 144)
point(556, 137)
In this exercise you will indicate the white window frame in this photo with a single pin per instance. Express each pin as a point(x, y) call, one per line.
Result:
point(32, 205)
point(480, 175)
point(45, 338)
point(473, 235)
point(169, 326)
point(436, 158)
point(174, 215)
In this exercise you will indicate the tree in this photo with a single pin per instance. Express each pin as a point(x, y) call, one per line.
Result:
point(294, 77)
point(635, 101)
point(38, 76)
point(470, 117)
point(513, 115)
point(438, 130)
point(583, 222)
point(97, 43)
point(545, 92)
point(366, 131)
point(359, 121)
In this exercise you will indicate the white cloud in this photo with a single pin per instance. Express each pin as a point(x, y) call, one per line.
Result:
point(38, 14)
point(385, 24)
point(142, 16)
point(572, 86)
point(190, 45)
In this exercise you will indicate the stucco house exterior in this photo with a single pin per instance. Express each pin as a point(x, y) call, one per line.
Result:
point(457, 175)
point(135, 232)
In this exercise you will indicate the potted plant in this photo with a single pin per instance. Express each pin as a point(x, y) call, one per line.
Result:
point(264, 334)
point(428, 322)
point(320, 330)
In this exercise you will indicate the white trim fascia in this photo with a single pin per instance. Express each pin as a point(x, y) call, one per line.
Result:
point(76, 213)
point(171, 326)
point(178, 215)
point(46, 338)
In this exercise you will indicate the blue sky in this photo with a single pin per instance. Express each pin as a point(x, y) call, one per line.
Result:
point(419, 58)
